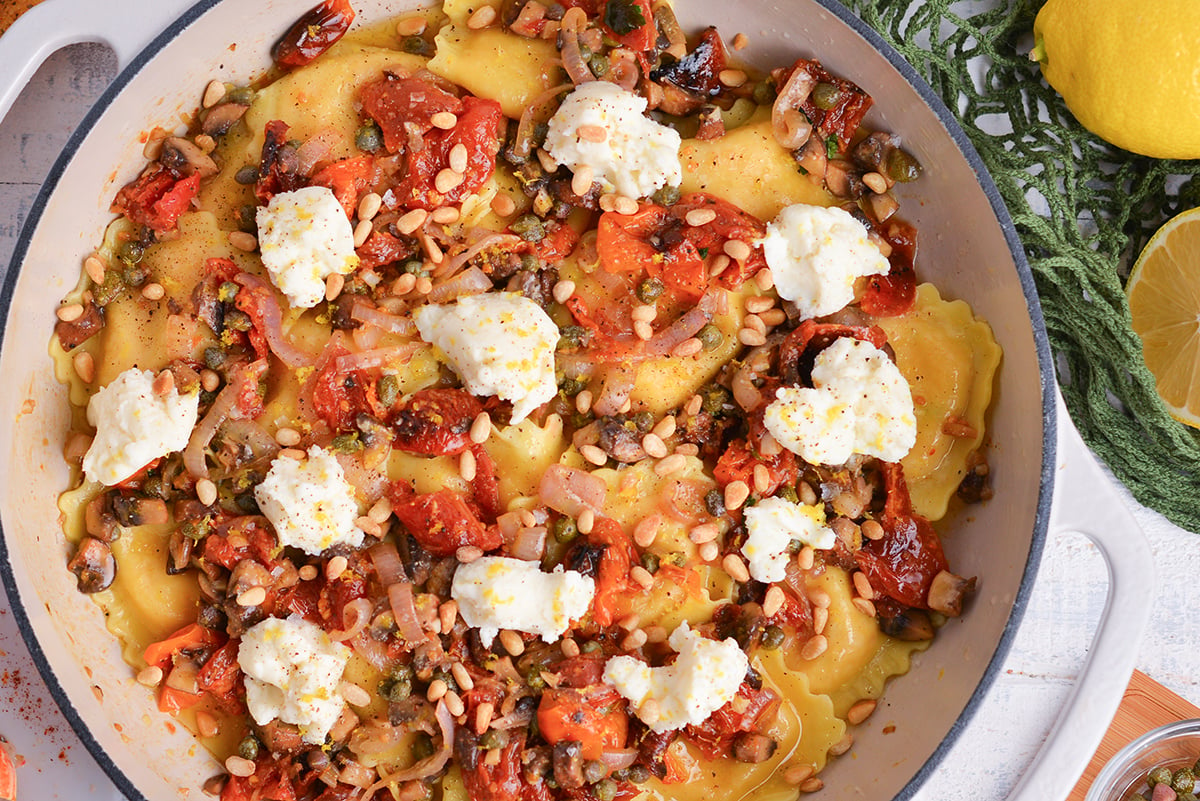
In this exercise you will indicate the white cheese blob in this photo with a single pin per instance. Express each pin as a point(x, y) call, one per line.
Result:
point(771, 525)
point(496, 592)
point(134, 426)
point(815, 255)
point(500, 344)
point(704, 677)
point(636, 156)
point(859, 403)
point(310, 503)
point(292, 673)
point(304, 237)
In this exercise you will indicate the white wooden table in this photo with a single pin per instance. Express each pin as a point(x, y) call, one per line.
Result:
point(1048, 652)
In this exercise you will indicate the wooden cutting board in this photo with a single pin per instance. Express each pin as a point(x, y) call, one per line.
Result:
point(1146, 705)
point(11, 9)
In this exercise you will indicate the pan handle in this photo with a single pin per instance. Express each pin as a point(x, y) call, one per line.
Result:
point(1086, 502)
point(126, 26)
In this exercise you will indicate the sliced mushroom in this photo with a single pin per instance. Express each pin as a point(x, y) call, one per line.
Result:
point(221, 118)
point(99, 518)
point(179, 552)
point(753, 748)
point(186, 158)
point(76, 332)
point(568, 764)
point(93, 565)
point(947, 592)
point(905, 624)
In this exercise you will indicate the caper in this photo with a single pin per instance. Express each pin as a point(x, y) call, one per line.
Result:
point(650, 562)
point(534, 679)
point(399, 689)
point(710, 336)
point(644, 421)
point(650, 290)
point(639, 774)
point(772, 638)
point(416, 45)
point(447, 677)
point(492, 739)
point(714, 502)
point(903, 167)
point(530, 262)
point(242, 95)
point(248, 747)
point(108, 291)
point(346, 443)
point(598, 64)
point(246, 503)
point(131, 252)
point(214, 357)
point(1184, 781)
point(714, 398)
point(388, 389)
point(571, 336)
point(764, 93)
point(667, 196)
point(605, 790)
point(788, 493)
point(1158, 775)
point(825, 96)
point(246, 175)
point(529, 228)
point(565, 529)
point(422, 746)
point(571, 386)
point(589, 647)
point(594, 770)
point(238, 320)
point(368, 138)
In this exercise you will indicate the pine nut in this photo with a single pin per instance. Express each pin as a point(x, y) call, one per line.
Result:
point(773, 601)
point(466, 465)
point(586, 521)
point(842, 746)
point(820, 620)
point(698, 217)
point(692, 407)
point(292, 453)
point(737, 249)
point(864, 606)
point(872, 530)
point(732, 78)
point(483, 17)
point(736, 568)
point(335, 567)
point(448, 180)
point(570, 648)
point(336, 282)
point(608, 202)
point(629, 623)
point(861, 711)
point(483, 716)
point(773, 317)
point(462, 676)
point(411, 221)
point(709, 551)
point(563, 290)
point(209, 380)
point(307, 572)
point(546, 160)
point(581, 181)
point(468, 553)
point(85, 366)
point(756, 304)
point(380, 511)
point(634, 641)
point(753, 321)
point(653, 445)
point(665, 427)
point(875, 182)
point(240, 767)
point(720, 263)
point(512, 642)
point(812, 649)
point(762, 479)
point(643, 330)
point(740, 41)
point(70, 313)
point(806, 558)
point(404, 284)
point(154, 291)
point(646, 531)
point(369, 526)
point(206, 724)
point(649, 711)
point(625, 205)
point(591, 133)
point(593, 454)
point(764, 280)
point(583, 401)
point(214, 93)
point(448, 614)
point(687, 348)
point(445, 120)
point(206, 491)
point(798, 774)
point(705, 532)
point(243, 241)
point(150, 676)
point(255, 596)
point(644, 312)
point(736, 493)
point(862, 585)
point(423, 286)
point(669, 465)
point(481, 428)
point(437, 690)
point(751, 338)
point(812, 785)
point(369, 206)
point(287, 437)
point(355, 695)
point(503, 205)
point(95, 268)
point(641, 576)
point(808, 496)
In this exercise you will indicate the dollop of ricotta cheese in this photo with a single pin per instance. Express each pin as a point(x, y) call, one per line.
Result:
point(635, 156)
point(499, 344)
point(292, 673)
point(771, 525)
point(859, 403)
point(310, 503)
point(704, 677)
point(304, 236)
point(135, 426)
point(496, 592)
point(816, 254)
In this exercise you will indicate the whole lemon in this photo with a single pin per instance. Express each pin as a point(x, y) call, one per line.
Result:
point(1129, 70)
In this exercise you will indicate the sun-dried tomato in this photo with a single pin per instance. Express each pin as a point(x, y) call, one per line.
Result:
point(269, 782)
point(157, 198)
point(382, 249)
point(754, 709)
point(405, 107)
point(313, 34)
point(338, 397)
point(850, 104)
point(731, 223)
point(614, 588)
point(501, 781)
point(220, 674)
point(443, 522)
point(435, 422)
point(697, 73)
point(278, 169)
point(894, 293)
point(485, 486)
point(802, 344)
point(903, 563)
point(479, 129)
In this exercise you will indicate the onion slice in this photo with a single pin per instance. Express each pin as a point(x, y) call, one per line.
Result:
point(572, 21)
point(222, 407)
point(471, 281)
point(431, 765)
point(788, 123)
point(570, 491)
point(272, 322)
point(355, 616)
point(386, 560)
point(377, 357)
point(392, 323)
point(400, 596)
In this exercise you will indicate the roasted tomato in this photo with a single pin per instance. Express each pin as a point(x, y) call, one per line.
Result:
point(752, 710)
point(348, 179)
point(894, 293)
point(595, 717)
point(313, 34)
point(442, 521)
point(479, 130)
point(435, 422)
point(738, 461)
point(614, 588)
point(405, 107)
point(157, 198)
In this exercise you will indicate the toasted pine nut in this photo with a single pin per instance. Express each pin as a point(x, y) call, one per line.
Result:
point(481, 428)
point(445, 120)
point(503, 205)
point(861, 711)
point(736, 568)
point(483, 17)
point(243, 241)
point(698, 217)
point(214, 93)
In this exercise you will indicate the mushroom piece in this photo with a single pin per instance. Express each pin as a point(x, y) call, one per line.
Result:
point(221, 118)
point(568, 764)
point(185, 157)
point(179, 552)
point(907, 624)
point(947, 592)
point(93, 565)
point(753, 748)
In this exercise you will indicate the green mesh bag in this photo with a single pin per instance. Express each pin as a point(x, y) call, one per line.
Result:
point(1083, 209)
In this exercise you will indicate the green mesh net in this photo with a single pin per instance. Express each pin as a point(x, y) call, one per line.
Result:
point(1083, 209)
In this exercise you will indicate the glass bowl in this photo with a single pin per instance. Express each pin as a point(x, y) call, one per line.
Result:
point(1176, 745)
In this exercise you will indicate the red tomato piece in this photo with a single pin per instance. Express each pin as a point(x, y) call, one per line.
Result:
point(818, 336)
point(192, 635)
point(731, 223)
point(903, 564)
point(313, 34)
point(502, 781)
point(738, 461)
point(435, 422)
point(278, 165)
point(269, 782)
point(581, 671)
point(479, 130)
point(485, 487)
point(623, 15)
point(339, 396)
point(850, 106)
point(614, 589)
point(382, 249)
point(893, 294)
point(157, 198)
point(221, 673)
point(595, 717)
point(714, 737)
point(347, 179)
point(443, 522)
point(400, 104)
point(621, 239)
